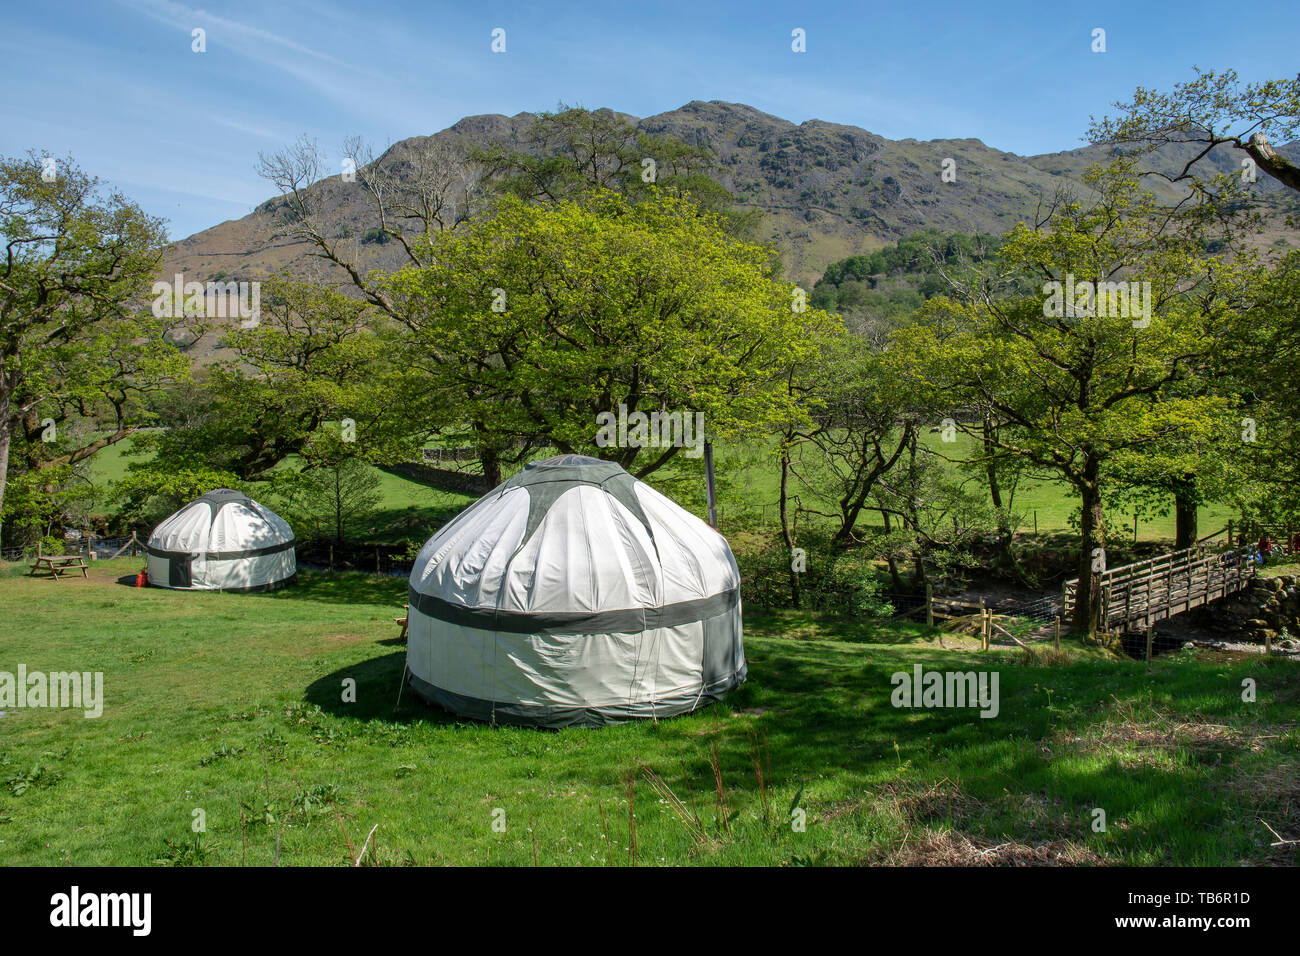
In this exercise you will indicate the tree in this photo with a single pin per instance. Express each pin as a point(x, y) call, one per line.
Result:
point(1215, 109)
point(863, 421)
point(573, 151)
point(314, 367)
point(940, 515)
point(1261, 367)
point(547, 320)
point(78, 265)
point(423, 187)
point(322, 501)
point(1087, 372)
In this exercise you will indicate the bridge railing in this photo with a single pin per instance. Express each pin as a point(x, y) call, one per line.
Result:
point(1148, 591)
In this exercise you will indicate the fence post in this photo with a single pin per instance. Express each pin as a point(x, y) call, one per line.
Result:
point(1150, 636)
point(929, 605)
point(1058, 632)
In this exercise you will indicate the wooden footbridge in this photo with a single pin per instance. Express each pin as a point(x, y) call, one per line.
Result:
point(1134, 597)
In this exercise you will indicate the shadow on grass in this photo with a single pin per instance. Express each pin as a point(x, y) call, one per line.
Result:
point(1066, 740)
point(405, 524)
point(806, 625)
point(377, 691)
point(344, 587)
point(1034, 773)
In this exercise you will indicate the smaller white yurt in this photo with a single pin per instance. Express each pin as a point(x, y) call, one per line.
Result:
point(574, 595)
point(222, 541)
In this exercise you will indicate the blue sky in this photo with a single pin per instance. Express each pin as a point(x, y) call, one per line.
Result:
point(115, 83)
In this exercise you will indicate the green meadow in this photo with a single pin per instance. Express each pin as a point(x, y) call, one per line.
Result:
point(230, 711)
point(749, 484)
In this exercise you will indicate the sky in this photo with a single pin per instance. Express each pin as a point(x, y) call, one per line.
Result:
point(117, 84)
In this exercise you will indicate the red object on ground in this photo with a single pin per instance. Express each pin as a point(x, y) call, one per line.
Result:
point(141, 579)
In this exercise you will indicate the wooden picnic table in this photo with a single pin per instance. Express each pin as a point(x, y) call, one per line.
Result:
point(54, 563)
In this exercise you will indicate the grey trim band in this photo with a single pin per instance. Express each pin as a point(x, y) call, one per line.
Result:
point(221, 555)
point(251, 589)
point(556, 716)
point(627, 621)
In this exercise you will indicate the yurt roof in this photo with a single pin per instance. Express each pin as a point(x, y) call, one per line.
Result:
point(218, 498)
point(550, 478)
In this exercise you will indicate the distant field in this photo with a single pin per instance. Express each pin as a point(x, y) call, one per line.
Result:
point(405, 508)
point(757, 484)
point(231, 705)
point(750, 481)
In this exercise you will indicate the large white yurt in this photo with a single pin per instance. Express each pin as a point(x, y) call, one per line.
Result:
point(223, 540)
point(574, 595)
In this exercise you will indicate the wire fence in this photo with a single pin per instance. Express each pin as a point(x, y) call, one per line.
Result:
point(89, 546)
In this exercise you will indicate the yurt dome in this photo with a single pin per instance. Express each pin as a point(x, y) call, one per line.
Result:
point(223, 540)
point(574, 595)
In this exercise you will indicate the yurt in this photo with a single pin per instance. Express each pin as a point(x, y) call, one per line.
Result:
point(574, 595)
point(224, 541)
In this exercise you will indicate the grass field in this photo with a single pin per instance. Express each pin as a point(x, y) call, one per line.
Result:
point(751, 482)
point(232, 706)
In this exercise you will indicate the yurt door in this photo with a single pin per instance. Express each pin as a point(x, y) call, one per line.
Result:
point(178, 574)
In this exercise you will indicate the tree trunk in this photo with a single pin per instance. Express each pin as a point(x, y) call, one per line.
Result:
point(6, 439)
point(1092, 529)
point(491, 463)
point(338, 505)
point(894, 577)
point(783, 506)
point(1004, 555)
point(1271, 162)
point(1185, 515)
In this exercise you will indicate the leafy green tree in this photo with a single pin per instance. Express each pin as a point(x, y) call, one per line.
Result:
point(863, 420)
point(316, 372)
point(40, 504)
point(1262, 366)
point(1073, 388)
point(573, 151)
point(75, 339)
point(1214, 109)
point(541, 320)
point(321, 502)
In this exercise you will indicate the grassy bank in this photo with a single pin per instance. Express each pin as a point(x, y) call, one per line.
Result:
point(232, 705)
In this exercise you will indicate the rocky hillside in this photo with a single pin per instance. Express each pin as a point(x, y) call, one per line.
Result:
point(828, 190)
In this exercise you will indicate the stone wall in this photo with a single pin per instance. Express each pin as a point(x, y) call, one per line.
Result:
point(1268, 608)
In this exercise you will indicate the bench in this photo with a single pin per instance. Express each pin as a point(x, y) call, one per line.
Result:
point(55, 563)
point(403, 621)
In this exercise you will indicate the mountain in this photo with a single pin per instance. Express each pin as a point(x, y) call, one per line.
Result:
point(828, 190)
